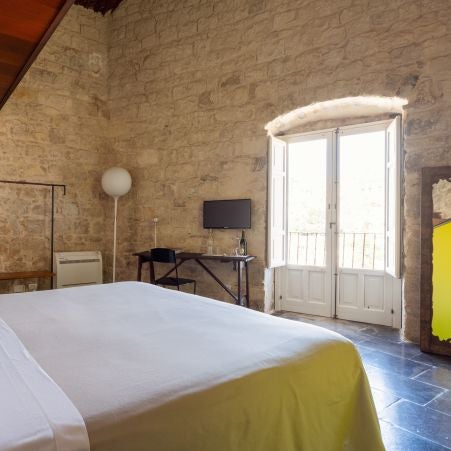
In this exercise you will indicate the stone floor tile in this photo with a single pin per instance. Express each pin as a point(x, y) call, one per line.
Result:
point(433, 359)
point(420, 420)
point(436, 376)
point(397, 439)
point(382, 332)
point(383, 399)
point(400, 349)
point(442, 403)
point(402, 387)
point(392, 364)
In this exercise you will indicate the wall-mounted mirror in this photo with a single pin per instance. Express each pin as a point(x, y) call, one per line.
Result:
point(436, 260)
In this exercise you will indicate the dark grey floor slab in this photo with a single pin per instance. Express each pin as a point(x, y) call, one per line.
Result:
point(383, 399)
point(343, 327)
point(400, 349)
point(354, 336)
point(436, 376)
point(442, 403)
point(362, 348)
point(391, 363)
point(328, 323)
point(396, 439)
point(420, 420)
point(384, 332)
point(400, 386)
point(432, 359)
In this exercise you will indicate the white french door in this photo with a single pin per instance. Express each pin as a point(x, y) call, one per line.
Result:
point(342, 224)
point(307, 277)
point(368, 289)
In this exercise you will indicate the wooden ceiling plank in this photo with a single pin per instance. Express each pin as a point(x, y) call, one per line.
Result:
point(7, 69)
point(25, 19)
point(5, 81)
point(29, 59)
point(13, 49)
point(52, 3)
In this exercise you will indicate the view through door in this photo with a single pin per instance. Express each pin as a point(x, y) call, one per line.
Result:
point(340, 236)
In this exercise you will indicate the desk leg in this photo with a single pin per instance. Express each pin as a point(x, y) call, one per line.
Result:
point(208, 271)
point(239, 283)
point(248, 302)
point(140, 265)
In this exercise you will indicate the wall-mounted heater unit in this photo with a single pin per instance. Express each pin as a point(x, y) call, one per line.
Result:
point(74, 269)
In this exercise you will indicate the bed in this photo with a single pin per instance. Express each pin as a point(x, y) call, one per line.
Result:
point(153, 369)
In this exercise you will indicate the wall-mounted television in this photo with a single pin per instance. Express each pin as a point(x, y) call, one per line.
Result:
point(227, 214)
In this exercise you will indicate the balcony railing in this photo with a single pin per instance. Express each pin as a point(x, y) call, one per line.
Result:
point(358, 250)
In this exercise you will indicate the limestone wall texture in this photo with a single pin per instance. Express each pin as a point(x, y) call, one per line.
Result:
point(192, 84)
point(54, 129)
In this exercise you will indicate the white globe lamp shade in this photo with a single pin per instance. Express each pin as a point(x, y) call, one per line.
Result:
point(116, 182)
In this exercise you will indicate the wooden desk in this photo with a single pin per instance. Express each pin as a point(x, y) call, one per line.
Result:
point(26, 275)
point(238, 261)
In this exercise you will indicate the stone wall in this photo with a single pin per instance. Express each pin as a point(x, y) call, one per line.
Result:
point(54, 128)
point(193, 83)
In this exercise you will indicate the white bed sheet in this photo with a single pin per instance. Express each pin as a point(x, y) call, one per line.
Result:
point(35, 414)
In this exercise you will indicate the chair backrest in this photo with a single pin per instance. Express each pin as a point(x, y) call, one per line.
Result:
point(163, 255)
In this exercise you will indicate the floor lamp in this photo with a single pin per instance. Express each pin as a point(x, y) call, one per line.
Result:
point(116, 182)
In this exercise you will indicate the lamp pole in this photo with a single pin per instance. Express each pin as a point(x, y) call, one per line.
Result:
point(114, 238)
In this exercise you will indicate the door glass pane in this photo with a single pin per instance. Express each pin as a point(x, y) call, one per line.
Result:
point(307, 197)
point(362, 201)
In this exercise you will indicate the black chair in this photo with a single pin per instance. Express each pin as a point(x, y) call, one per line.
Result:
point(164, 255)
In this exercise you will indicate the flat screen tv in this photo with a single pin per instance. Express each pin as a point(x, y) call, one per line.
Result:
point(227, 214)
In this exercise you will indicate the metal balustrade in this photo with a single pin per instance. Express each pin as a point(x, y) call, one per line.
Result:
point(356, 249)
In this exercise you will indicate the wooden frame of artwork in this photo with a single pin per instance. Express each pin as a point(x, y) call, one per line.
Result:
point(429, 342)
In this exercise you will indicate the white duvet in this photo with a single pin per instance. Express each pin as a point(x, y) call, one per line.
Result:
point(155, 369)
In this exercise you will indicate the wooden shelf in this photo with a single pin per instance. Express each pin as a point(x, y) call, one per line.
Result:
point(26, 275)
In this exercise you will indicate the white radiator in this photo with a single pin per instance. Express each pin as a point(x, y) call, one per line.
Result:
point(77, 268)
